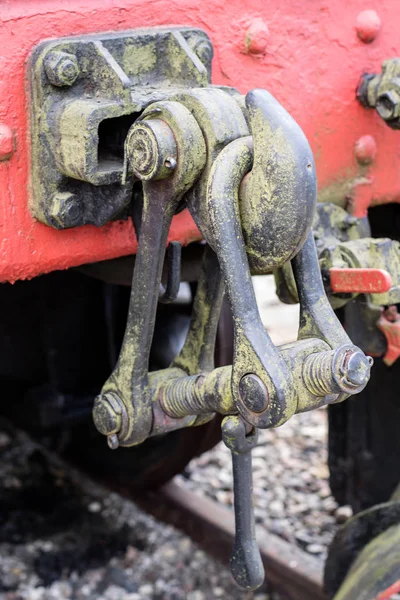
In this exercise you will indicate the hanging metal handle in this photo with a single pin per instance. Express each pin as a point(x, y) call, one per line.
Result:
point(246, 564)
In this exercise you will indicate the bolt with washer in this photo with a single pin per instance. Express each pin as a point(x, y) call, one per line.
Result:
point(108, 417)
point(61, 68)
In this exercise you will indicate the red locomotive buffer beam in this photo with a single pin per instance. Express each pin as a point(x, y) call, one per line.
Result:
point(359, 281)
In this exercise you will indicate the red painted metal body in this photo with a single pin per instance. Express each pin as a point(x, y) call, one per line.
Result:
point(310, 55)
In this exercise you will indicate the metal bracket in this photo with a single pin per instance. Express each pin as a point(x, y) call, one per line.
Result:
point(85, 93)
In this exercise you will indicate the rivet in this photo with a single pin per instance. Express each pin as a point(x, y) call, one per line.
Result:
point(365, 150)
point(368, 25)
point(256, 39)
point(6, 142)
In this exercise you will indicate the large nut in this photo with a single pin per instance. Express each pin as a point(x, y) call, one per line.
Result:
point(61, 68)
point(151, 149)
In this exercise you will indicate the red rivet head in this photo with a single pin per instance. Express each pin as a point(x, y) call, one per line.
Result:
point(6, 142)
point(256, 39)
point(365, 150)
point(368, 25)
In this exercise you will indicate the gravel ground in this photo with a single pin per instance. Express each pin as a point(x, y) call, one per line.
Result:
point(291, 493)
point(61, 541)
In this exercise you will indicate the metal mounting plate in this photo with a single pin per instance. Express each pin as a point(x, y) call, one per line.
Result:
point(85, 94)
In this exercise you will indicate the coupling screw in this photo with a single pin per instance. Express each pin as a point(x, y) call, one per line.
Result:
point(180, 397)
point(345, 370)
point(200, 394)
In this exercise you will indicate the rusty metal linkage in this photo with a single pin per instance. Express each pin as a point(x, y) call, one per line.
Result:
point(226, 175)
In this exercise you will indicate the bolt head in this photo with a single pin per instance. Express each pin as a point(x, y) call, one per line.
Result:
point(388, 105)
point(253, 393)
point(106, 420)
point(204, 51)
point(61, 68)
point(358, 369)
point(66, 210)
point(202, 47)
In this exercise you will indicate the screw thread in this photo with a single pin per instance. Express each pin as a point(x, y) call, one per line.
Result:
point(182, 397)
point(317, 373)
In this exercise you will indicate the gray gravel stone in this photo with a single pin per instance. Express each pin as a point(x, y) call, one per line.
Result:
point(58, 542)
point(291, 491)
point(343, 513)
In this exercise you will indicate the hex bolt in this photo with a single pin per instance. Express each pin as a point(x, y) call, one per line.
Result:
point(66, 210)
point(203, 49)
point(61, 68)
point(388, 105)
point(253, 393)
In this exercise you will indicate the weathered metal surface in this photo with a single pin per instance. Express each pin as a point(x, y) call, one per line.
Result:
point(375, 572)
point(246, 564)
point(129, 380)
point(364, 558)
point(86, 92)
point(206, 153)
point(382, 92)
point(318, 46)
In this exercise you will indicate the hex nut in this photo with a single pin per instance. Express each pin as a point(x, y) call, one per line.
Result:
point(388, 105)
point(61, 68)
point(203, 49)
point(65, 210)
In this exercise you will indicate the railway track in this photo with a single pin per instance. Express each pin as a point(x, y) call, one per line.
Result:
point(289, 570)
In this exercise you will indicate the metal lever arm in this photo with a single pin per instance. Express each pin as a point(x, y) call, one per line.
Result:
point(246, 564)
point(256, 360)
point(166, 136)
